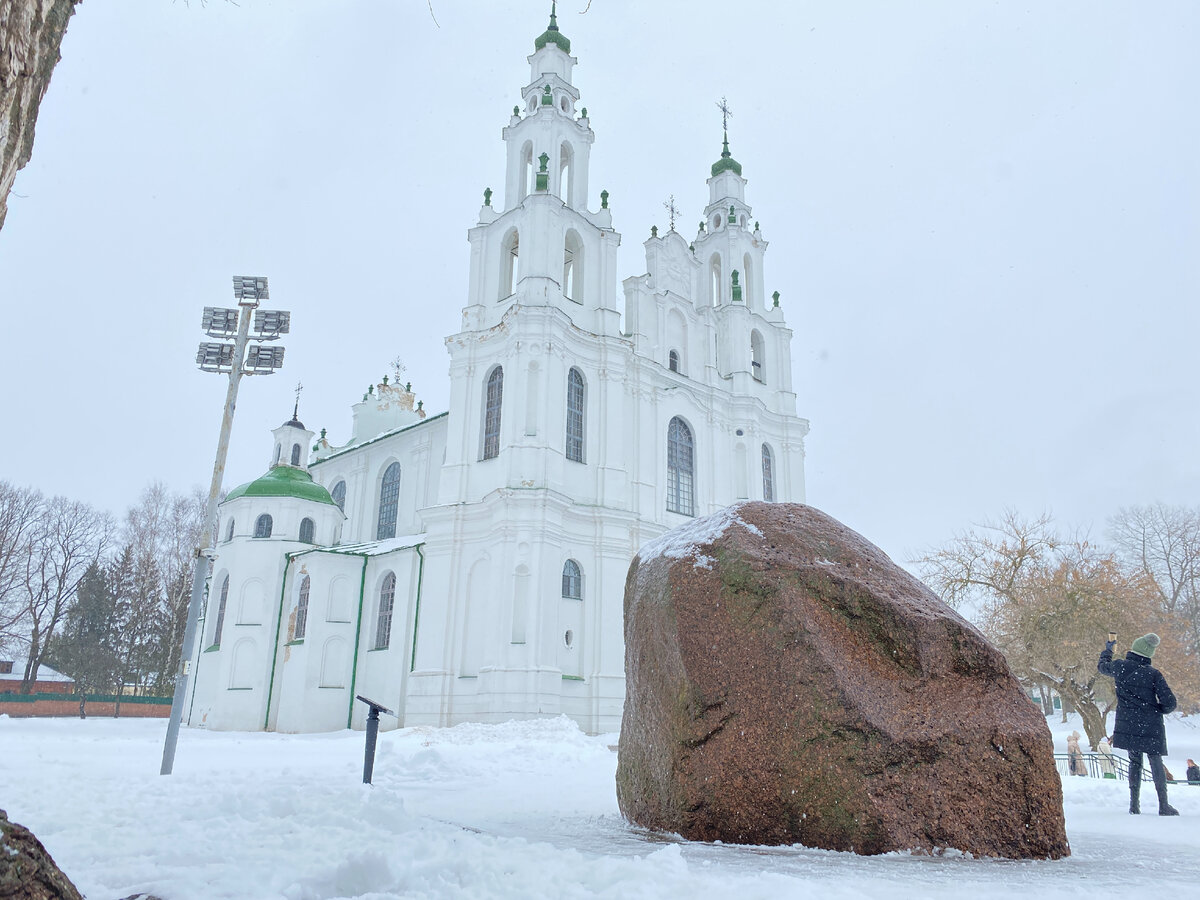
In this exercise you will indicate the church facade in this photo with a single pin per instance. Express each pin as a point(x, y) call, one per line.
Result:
point(470, 566)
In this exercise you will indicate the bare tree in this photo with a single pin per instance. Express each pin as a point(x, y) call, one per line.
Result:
point(1163, 542)
point(1047, 602)
point(20, 512)
point(68, 538)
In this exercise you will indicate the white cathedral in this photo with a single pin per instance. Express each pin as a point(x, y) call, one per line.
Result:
point(470, 566)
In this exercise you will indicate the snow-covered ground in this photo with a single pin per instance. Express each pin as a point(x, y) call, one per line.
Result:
point(521, 810)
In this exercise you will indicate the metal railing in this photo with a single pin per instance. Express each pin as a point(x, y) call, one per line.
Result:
point(1106, 765)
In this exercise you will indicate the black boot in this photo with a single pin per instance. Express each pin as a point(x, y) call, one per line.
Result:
point(1135, 784)
point(1160, 785)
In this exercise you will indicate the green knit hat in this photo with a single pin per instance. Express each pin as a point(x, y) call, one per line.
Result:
point(1145, 645)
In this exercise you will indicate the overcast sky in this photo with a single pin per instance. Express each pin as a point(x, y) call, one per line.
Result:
point(984, 221)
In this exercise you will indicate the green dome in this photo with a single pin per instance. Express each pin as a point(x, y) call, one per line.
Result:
point(552, 35)
point(283, 481)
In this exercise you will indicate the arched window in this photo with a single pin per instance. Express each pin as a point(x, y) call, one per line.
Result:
point(757, 356)
point(572, 586)
point(302, 608)
point(679, 468)
point(295, 454)
point(389, 502)
point(673, 360)
point(566, 190)
point(510, 251)
point(491, 413)
point(339, 495)
point(572, 283)
point(262, 526)
point(387, 601)
point(221, 612)
point(575, 409)
point(748, 290)
point(229, 531)
point(768, 466)
point(527, 163)
point(715, 280)
point(306, 530)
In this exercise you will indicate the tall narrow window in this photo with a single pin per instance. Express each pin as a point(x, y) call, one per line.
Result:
point(491, 414)
point(389, 502)
point(768, 466)
point(295, 454)
point(572, 586)
point(673, 360)
point(566, 191)
point(679, 468)
point(527, 164)
point(757, 356)
point(575, 408)
point(262, 526)
point(221, 612)
point(383, 623)
point(339, 495)
point(715, 279)
point(229, 531)
point(301, 610)
point(510, 251)
point(572, 283)
point(306, 530)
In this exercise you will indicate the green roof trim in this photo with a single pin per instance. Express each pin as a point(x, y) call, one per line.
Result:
point(283, 481)
point(552, 35)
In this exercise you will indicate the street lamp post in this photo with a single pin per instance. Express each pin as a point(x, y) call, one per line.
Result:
point(225, 358)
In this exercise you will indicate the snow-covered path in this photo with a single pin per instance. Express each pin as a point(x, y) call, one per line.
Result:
point(516, 810)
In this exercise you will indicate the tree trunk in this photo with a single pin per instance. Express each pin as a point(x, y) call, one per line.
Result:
point(1047, 701)
point(1093, 718)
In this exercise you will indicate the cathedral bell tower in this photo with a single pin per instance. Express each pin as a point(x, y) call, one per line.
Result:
point(543, 246)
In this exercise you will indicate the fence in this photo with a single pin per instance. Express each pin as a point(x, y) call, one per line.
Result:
point(1104, 765)
point(28, 705)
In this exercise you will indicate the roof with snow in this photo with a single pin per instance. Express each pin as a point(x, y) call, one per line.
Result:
point(371, 548)
point(44, 673)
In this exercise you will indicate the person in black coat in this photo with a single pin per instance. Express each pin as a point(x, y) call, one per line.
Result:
point(1143, 697)
point(1193, 772)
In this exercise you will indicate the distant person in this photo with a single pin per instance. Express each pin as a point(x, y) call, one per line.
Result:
point(1143, 698)
point(1075, 764)
point(1193, 772)
point(1108, 768)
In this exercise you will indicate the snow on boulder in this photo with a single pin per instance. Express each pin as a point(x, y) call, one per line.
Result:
point(786, 682)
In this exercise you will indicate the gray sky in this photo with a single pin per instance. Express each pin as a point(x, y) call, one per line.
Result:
point(983, 219)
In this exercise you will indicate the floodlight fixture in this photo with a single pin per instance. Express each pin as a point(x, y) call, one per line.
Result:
point(263, 360)
point(220, 321)
point(270, 323)
point(215, 357)
point(248, 290)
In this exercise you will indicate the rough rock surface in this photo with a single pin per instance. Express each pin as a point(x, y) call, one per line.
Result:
point(31, 32)
point(27, 871)
point(786, 682)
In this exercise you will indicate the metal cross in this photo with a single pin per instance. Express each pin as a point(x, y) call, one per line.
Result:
point(726, 112)
point(672, 210)
point(299, 388)
point(399, 368)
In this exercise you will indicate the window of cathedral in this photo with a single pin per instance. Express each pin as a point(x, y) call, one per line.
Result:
point(262, 526)
point(229, 530)
point(564, 104)
point(295, 454)
point(757, 356)
point(768, 469)
point(510, 251)
point(221, 613)
point(748, 271)
point(383, 623)
point(491, 413)
point(306, 530)
point(575, 412)
point(572, 283)
point(568, 638)
point(302, 608)
point(673, 360)
point(680, 472)
point(339, 494)
point(716, 282)
point(572, 580)
point(389, 502)
point(566, 159)
point(526, 186)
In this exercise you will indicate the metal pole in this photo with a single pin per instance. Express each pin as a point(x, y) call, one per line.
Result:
point(206, 540)
point(372, 734)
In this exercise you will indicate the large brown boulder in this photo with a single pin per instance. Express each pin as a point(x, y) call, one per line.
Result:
point(27, 871)
point(786, 682)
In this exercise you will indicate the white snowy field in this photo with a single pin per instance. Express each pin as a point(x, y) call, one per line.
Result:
point(521, 810)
